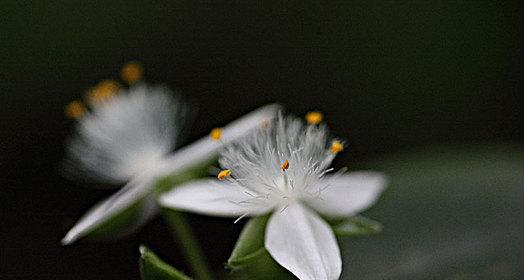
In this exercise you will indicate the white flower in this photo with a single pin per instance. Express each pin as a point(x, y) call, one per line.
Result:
point(126, 135)
point(128, 139)
point(283, 169)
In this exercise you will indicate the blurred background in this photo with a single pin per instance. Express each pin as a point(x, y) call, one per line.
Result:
point(429, 92)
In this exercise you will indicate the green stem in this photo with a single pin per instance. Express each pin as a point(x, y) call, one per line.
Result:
point(189, 244)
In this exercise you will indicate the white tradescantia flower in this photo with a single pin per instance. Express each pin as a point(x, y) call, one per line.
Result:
point(128, 139)
point(127, 135)
point(283, 169)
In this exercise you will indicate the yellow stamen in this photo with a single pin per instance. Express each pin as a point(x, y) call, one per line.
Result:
point(216, 134)
point(336, 147)
point(75, 109)
point(285, 165)
point(314, 117)
point(223, 174)
point(103, 91)
point(131, 72)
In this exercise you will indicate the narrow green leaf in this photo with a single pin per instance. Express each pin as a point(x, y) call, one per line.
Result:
point(250, 244)
point(357, 226)
point(153, 268)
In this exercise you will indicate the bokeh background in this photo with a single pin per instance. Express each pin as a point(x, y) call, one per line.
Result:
point(430, 92)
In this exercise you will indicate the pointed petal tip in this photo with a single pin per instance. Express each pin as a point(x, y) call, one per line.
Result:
point(382, 179)
point(266, 112)
point(68, 239)
point(142, 249)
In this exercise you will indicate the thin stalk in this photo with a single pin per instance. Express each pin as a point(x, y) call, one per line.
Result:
point(189, 244)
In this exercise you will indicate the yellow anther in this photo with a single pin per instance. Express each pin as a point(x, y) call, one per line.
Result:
point(284, 165)
point(223, 174)
point(336, 147)
point(103, 91)
point(314, 117)
point(75, 109)
point(216, 134)
point(131, 72)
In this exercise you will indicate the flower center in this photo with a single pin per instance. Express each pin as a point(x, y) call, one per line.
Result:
point(144, 161)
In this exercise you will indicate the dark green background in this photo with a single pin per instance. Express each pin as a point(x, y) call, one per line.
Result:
point(389, 76)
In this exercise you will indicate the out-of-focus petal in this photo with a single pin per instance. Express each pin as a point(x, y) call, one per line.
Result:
point(135, 191)
point(206, 148)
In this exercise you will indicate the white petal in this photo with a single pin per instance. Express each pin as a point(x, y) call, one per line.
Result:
point(348, 194)
point(215, 198)
point(303, 243)
point(134, 191)
point(205, 149)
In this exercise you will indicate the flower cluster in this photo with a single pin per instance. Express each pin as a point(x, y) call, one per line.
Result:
point(129, 138)
point(271, 164)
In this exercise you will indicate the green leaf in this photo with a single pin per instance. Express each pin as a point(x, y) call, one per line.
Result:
point(250, 244)
point(153, 268)
point(357, 226)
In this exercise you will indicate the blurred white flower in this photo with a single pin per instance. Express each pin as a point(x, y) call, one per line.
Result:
point(129, 134)
point(283, 169)
point(128, 139)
